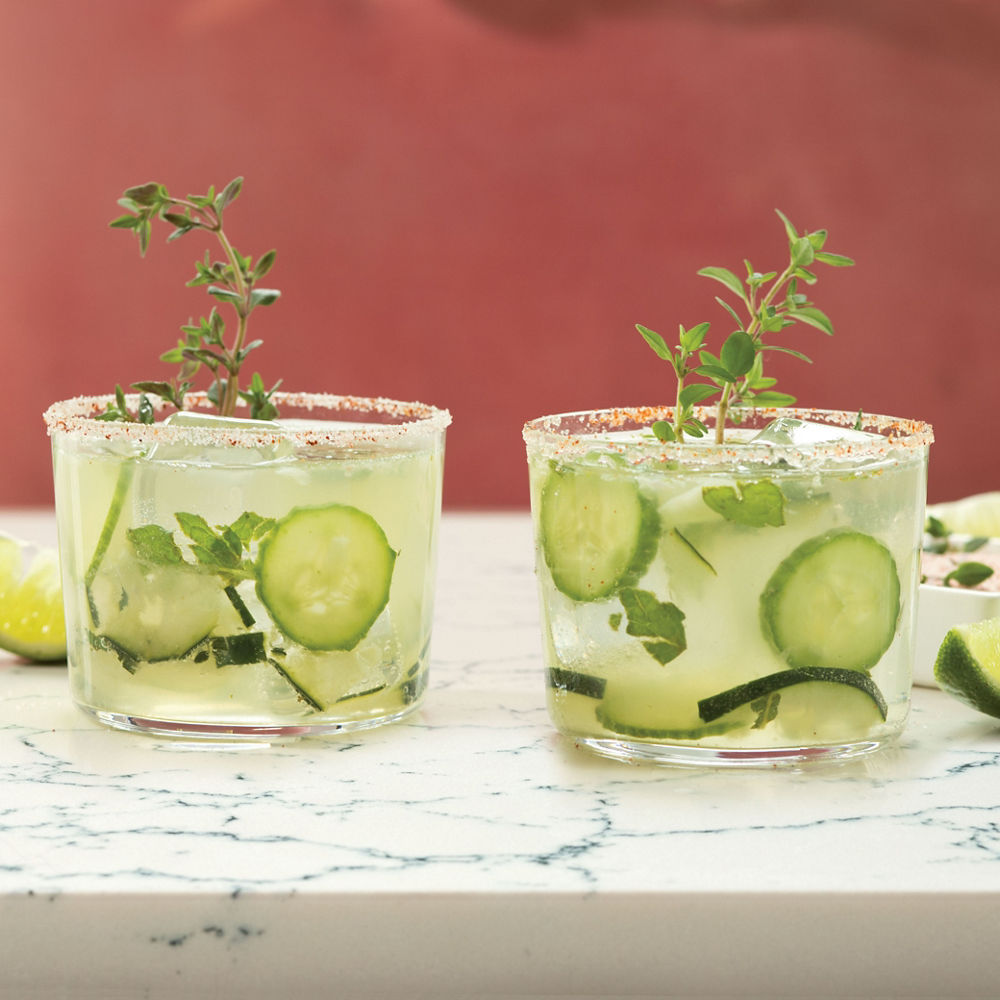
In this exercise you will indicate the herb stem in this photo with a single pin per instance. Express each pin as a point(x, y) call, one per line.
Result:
point(227, 406)
point(679, 410)
point(213, 223)
point(753, 330)
point(721, 412)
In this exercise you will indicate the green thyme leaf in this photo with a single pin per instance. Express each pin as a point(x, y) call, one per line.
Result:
point(664, 431)
point(696, 393)
point(229, 193)
point(738, 353)
point(769, 398)
point(725, 276)
point(813, 317)
point(803, 252)
point(264, 265)
point(146, 195)
point(656, 342)
point(834, 259)
point(717, 372)
point(263, 297)
point(789, 228)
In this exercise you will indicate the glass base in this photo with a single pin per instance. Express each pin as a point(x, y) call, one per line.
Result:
point(219, 733)
point(759, 757)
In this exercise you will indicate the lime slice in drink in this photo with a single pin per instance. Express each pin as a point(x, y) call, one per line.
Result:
point(968, 665)
point(31, 609)
point(975, 515)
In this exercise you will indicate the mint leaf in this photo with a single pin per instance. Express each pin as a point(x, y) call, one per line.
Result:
point(756, 505)
point(249, 526)
point(153, 544)
point(212, 550)
point(650, 618)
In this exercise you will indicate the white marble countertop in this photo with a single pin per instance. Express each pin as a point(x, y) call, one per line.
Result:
point(473, 851)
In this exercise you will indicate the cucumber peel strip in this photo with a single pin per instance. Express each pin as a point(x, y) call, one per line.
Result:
point(122, 485)
point(718, 705)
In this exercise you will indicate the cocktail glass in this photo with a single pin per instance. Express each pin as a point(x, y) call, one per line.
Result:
point(240, 579)
point(739, 604)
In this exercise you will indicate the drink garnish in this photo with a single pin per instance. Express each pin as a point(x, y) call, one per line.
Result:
point(233, 280)
point(772, 302)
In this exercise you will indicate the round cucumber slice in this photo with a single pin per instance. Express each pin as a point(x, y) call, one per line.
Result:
point(154, 613)
point(834, 602)
point(324, 574)
point(598, 533)
point(660, 709)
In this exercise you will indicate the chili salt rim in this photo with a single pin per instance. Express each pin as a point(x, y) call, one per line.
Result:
point(548, 432)
point(77, 416)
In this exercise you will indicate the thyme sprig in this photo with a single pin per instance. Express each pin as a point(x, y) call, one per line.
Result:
point(772, 301)
point(232, 280)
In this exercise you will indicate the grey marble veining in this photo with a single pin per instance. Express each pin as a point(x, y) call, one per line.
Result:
point(474, 828)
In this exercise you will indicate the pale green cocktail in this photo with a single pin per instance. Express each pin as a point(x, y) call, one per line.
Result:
point(236, 578)
point(728, 604)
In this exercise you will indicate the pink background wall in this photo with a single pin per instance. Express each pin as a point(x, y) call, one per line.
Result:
point(473, 201)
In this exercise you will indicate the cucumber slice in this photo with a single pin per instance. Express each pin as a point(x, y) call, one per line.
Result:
point(834, 602)
point(328, 679)
point(598, 532)
point(238, 650)
point(587, 685)
point(661, 709)
point(657, 732)
point(324, 574)
point(153, 613)
point(809, 703)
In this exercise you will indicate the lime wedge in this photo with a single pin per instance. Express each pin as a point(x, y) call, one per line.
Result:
point(31, 609)
point(968, 665)
point(975, 515)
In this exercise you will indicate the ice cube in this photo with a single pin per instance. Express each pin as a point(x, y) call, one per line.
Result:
point(792, 431)
point(191, 418)
point(212, 450)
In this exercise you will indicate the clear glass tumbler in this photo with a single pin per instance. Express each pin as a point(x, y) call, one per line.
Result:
point(738, 604)
point(238, 579)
